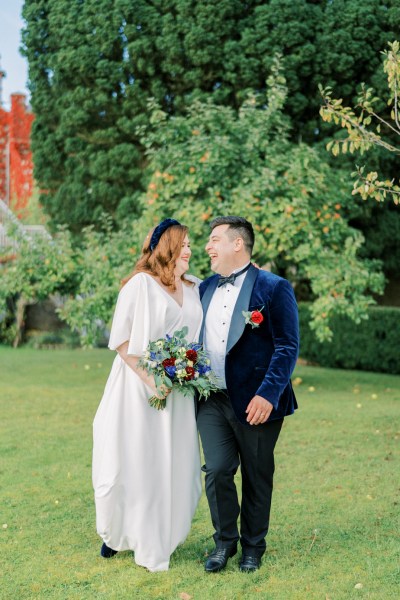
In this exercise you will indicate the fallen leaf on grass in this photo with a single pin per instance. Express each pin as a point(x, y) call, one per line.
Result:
point(358, 586)
point(184, 596)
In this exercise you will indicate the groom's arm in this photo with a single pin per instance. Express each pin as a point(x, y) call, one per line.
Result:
point(285, 333)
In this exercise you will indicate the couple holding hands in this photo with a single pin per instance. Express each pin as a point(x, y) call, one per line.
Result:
point(146, 463)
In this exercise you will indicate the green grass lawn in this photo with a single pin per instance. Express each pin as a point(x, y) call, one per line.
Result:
point(334, 523)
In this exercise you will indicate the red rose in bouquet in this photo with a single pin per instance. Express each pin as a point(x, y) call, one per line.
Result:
point(190, 373)
point(169, 362)
point(191, 355)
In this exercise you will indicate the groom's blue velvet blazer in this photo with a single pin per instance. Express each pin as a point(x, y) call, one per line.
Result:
point(260, 361)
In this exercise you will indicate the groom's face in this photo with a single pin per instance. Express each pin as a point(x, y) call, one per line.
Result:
point(222, 249)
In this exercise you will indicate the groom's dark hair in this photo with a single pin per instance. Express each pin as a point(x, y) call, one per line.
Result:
point(238, 226)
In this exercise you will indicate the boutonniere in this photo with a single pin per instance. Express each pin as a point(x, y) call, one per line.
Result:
point(253, 317)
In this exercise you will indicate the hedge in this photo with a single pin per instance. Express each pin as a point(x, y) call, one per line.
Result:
point(372, 345)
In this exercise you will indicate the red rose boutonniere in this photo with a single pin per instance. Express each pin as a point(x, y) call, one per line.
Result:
point(253, 317)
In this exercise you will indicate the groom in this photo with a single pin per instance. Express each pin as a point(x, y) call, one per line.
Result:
point(250, 331)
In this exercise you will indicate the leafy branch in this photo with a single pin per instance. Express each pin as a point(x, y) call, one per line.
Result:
point(363, 126)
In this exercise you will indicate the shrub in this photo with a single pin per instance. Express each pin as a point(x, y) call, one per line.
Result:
point(371, 345)
point(63, 338)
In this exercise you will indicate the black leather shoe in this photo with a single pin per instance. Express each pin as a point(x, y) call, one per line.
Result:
point(248, 564)
point(107, 552)
point(218, 559)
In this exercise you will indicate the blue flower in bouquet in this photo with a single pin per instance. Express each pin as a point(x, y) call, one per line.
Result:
point(196, 347)
point(203, 369)
point(171, 371)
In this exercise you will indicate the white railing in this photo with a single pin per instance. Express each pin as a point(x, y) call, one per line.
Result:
point(7, 217)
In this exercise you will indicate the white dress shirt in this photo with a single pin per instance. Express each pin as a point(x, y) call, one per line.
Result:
point(218, 321)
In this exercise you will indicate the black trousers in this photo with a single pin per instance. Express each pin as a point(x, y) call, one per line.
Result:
point(226, 444)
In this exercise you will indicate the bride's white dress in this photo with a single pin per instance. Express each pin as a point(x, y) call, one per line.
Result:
point(146, 463)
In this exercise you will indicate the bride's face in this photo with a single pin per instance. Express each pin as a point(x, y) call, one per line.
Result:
point(182, 262)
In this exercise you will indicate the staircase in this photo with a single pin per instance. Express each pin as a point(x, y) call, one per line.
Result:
point(7, 218)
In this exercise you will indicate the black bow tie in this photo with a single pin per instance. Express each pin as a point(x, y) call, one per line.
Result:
point(231, 278)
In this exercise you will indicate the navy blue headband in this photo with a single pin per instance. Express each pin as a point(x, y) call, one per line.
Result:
point(159, 230)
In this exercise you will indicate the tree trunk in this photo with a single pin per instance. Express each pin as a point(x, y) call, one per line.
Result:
point(19, 320)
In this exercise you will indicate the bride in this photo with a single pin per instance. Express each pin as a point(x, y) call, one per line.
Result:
point(146, 463)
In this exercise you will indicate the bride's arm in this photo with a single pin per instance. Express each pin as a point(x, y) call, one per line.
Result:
point(132, 362)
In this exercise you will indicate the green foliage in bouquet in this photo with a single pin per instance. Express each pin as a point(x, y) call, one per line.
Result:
point(176, 363)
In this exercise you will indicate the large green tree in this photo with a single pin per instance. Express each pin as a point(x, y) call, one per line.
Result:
point(214, 160)
point(93, 64)
point(86, 157)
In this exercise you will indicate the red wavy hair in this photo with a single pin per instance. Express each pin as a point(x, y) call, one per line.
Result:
point(161, 261)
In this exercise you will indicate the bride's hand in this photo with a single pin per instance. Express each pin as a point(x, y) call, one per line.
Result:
point(163, 392)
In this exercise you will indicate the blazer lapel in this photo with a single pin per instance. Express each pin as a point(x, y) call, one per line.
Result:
point(242, 303)
point(205, 302)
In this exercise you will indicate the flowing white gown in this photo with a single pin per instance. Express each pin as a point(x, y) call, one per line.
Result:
point(146, 463)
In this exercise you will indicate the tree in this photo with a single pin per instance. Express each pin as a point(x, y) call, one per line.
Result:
point(85, 156)
point(39, 266)
point(102, 260)
point(214, 161)
point(93, 65)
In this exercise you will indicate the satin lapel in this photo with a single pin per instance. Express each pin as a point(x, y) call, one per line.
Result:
point(205, 302)
point(242, 303)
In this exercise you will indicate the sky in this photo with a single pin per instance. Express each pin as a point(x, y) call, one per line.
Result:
point(11, 61)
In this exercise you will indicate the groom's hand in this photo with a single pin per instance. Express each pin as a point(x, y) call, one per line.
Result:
point(258, 410)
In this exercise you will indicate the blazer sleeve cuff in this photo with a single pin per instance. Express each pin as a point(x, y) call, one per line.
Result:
point(270, 393)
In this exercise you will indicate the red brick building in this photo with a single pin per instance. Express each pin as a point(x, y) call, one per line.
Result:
point(16, 168)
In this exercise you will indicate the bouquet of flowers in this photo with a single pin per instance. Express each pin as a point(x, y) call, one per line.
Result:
point(174, 362)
